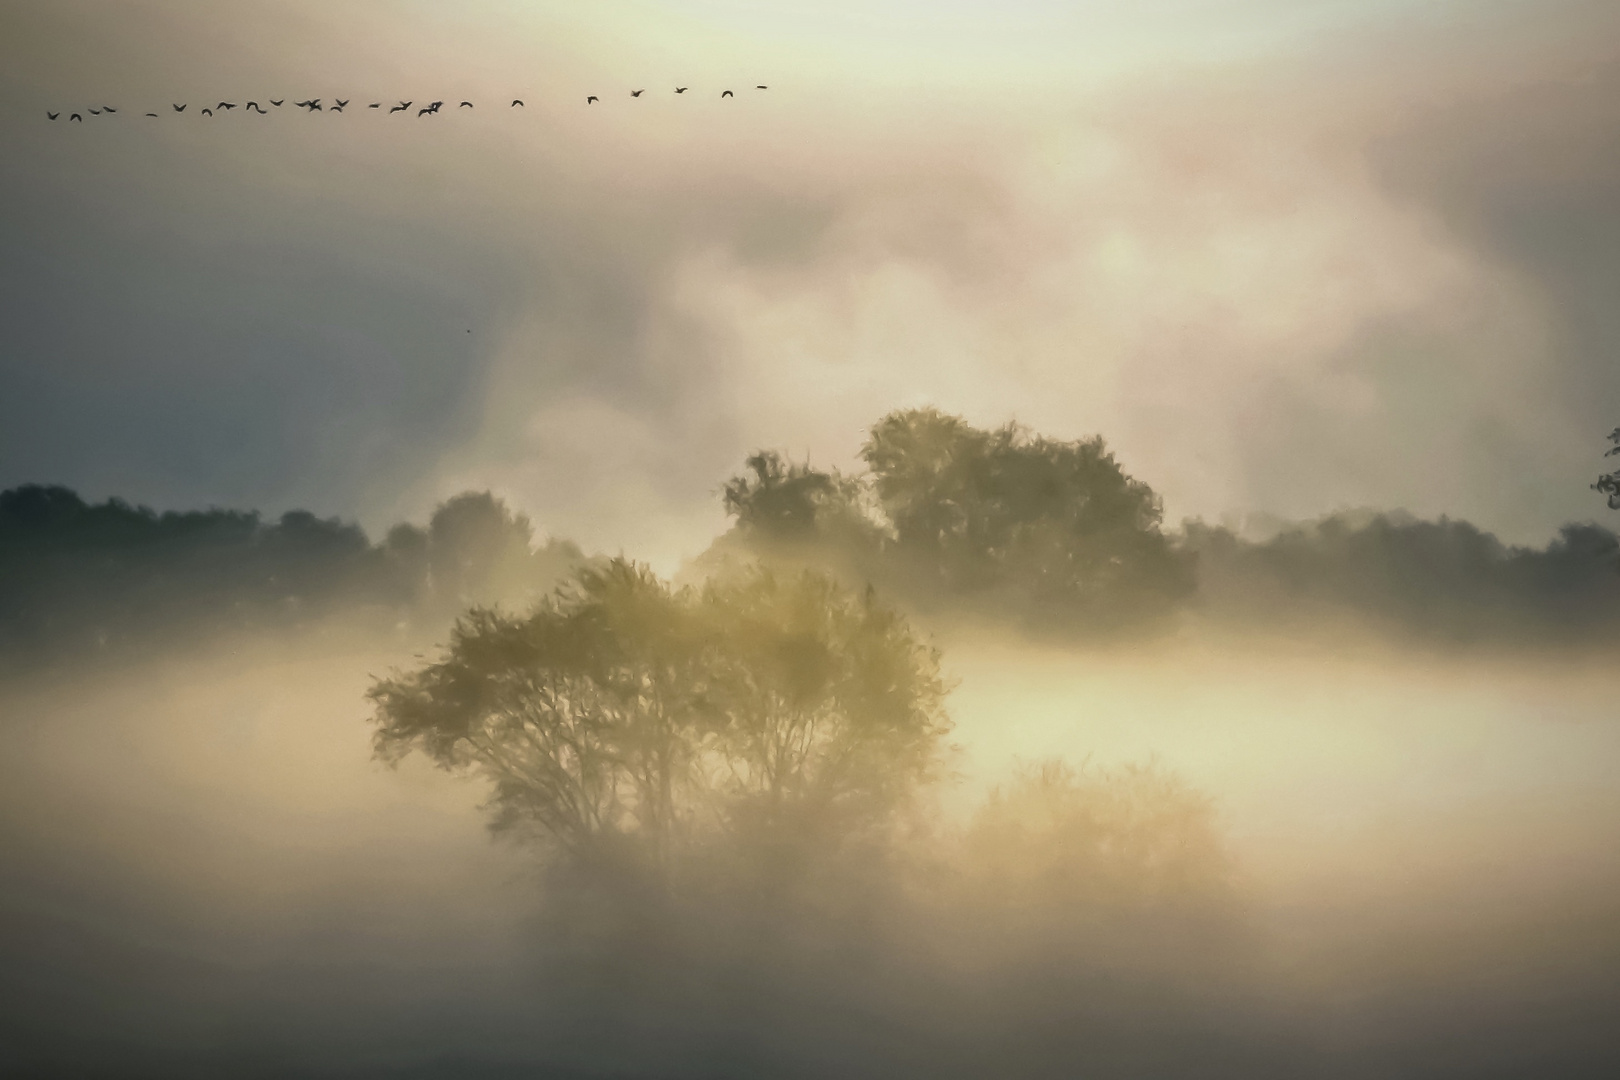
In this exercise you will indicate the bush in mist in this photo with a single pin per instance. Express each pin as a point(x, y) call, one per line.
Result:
point(1096, 840)
point(1049, 533)
point(75, 575)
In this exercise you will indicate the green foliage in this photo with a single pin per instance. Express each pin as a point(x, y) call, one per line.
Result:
point(1059, 524)
point(1609, 483)
point(1051, 533)
point(785, 502)
point(830, 710)
point(624, 717)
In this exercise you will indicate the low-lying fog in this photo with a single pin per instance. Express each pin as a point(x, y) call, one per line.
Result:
point(205, 871)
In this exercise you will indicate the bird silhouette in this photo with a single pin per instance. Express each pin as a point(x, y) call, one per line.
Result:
point(256, 107)
point(108, 108)
point(77, 117)
point(426, 111)
point(466, 105)
point(375, 105)
point(436, 105)
point(178, 108)
point(762, 87)
point(516, 103)
point(95, 112)
point(590, 99)
point(53, 115)
point(276, 103)
point(401, 107)
point(151, 114)
point(226, 105)
point(310, 103)
point(337, 108)
point(207, 112)
point(342, 104)
point(727, 93)
point(637, 93)
point(680, 89)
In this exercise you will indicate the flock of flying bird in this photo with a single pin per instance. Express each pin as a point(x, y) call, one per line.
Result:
point(314, 105)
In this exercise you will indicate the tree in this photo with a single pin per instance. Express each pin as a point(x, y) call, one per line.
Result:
point(830, 711)
point(1609, 483)
point(623, 718)
point(1060, 524)
point(782, 501)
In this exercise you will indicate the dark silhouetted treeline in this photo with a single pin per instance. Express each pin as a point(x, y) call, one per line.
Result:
point(1444, 581)
point(1054, 537)
point(949, 521)
point(77, 576)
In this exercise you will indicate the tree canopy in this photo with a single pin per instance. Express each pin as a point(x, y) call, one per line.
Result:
point(75, 574)
point(1053, 532)
point(624, 717)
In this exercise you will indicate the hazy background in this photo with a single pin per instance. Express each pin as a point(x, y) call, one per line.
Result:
point(1288, 258)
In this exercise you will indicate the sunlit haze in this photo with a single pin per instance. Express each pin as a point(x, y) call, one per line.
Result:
point(942, 539)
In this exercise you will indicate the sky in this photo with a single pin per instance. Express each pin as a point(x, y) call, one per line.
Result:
point(1286, 257)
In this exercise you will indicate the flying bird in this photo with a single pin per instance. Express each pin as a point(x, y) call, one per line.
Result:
point(343, 103)
point(151, 114)
point(401, 107)
point(77, 117)
point(375, 105)
point(762, 86)
point(53, 115)
point(727, 93)
point(426, 111)
point(516, 103)
point(680, 89)
point(276, 103)
point(178, 108)
point(256, 107)
point(226, 105)
point(207, 112)
point(337, 108)
point(108, 108)
point(590, 99)
point(637, 93)
point(466, 105)
point(95, 112)
point(436, 105)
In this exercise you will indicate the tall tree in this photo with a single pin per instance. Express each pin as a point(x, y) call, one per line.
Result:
point(623, 717)
point(1059, 523)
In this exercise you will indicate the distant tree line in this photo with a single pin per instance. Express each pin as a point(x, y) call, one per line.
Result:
point(946, 520)
point(1055, 537)
point(76, 575)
